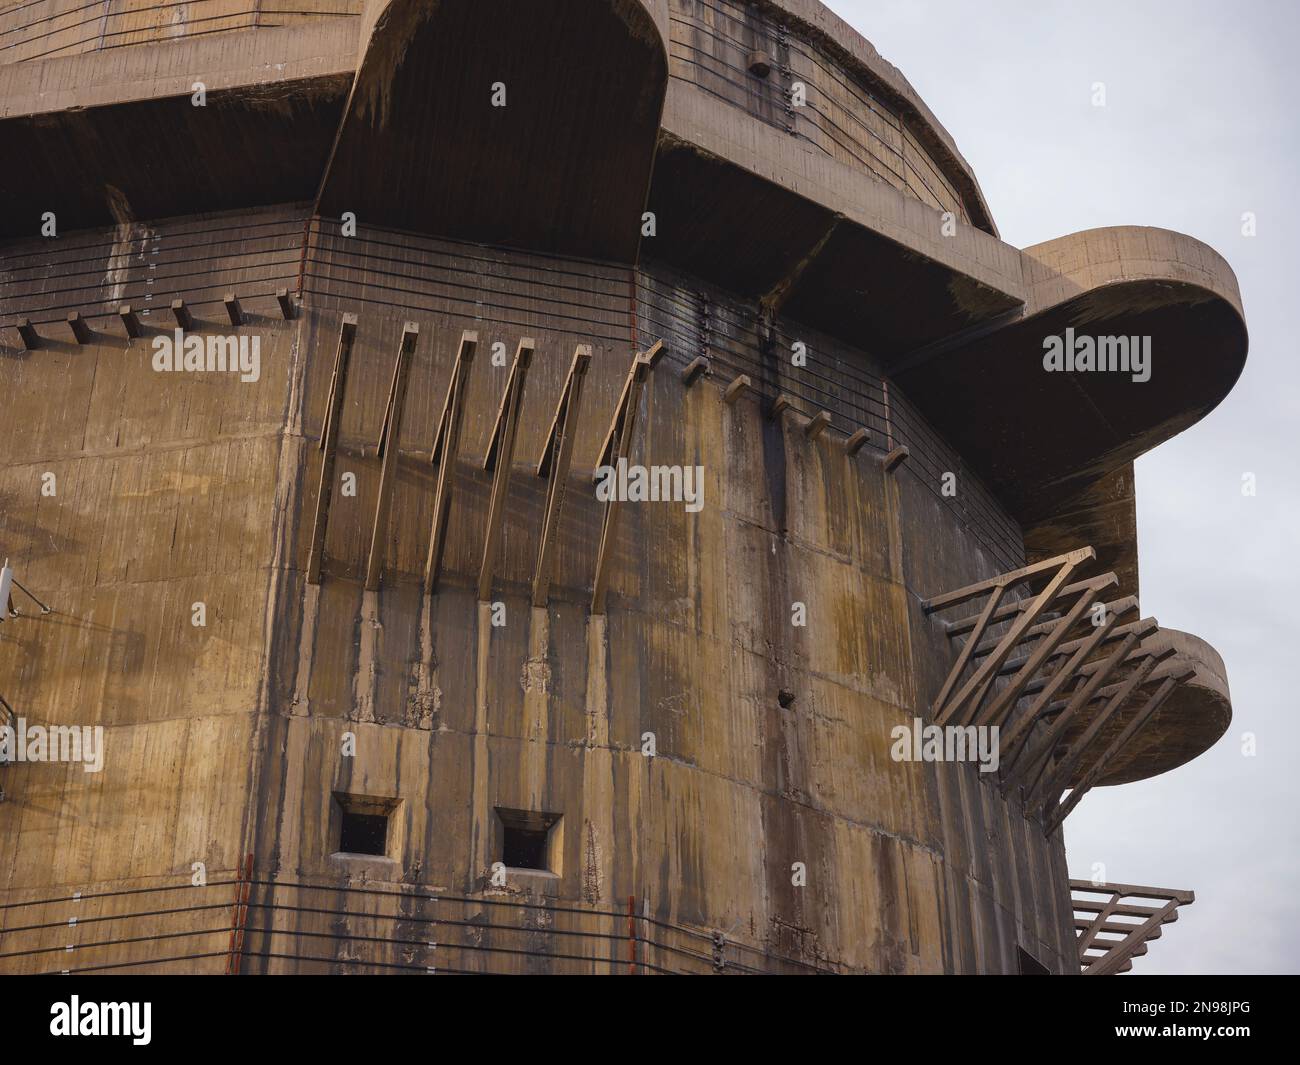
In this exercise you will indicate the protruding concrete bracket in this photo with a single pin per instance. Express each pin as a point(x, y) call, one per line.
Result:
point(130, 321)
point(27, 334)
point(817, 425)
point(499, 459)
point(555, 461)
point(388, 446)
point(80, 330)
point(736, 389)
point(443, 454)
point(182, 314)
point(856, 442)
point(698, 367)
point(618, 443)
point(624, 409)
point(895, 458)
point(329, 445)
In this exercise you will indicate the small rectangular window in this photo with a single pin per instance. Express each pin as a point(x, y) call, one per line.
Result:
point(364, 833)
point(525, 848)
point(529, 840)
point(364, 826)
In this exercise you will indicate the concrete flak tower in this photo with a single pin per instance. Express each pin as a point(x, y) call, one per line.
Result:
point(566, 487)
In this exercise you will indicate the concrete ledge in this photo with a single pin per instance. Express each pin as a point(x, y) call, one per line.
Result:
point(251, 58)
point(738, 138)
point(1065, 267)
point(1190, 722)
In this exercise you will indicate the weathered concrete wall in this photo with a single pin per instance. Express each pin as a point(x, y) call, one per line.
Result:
point(711, 43)
point(126, 497)
point(229, 740)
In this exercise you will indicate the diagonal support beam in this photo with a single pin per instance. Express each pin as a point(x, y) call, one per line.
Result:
point(1039, 756)
point(1090, 778)
point(1134, 945)
point(388, 447)
point(1053, 778)
point(1012, 739)
point(329, 440)
point(1098, 924)
point(557, 457)
point(618, 444)
point(1048, 624)
point(1056, 677)
point(990, 666)
point(446, 448)
point(1007, 610)
point(1138, 922)
point(499, 459)
point(1006, 699)
point(635, 379)
point(968, 649)
point(1144, 628)
point(388, 413)
point(1120, 607)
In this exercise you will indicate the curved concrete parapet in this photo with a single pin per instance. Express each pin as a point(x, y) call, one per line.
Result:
point(1044, 437)
point(859, 55)
point(1190, 721)
point(569, 95)
point(1061, 269)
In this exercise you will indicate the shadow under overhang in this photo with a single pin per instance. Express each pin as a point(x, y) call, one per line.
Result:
point(755, 237)
point(163, 156)
point(563, 167)
point(1041, 439)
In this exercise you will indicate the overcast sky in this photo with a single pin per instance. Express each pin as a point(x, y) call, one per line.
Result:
point(1199, 126)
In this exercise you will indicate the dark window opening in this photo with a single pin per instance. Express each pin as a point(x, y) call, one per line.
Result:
point(524, 848)
point(364, 833)
point(527, 841)
point(1029, 965)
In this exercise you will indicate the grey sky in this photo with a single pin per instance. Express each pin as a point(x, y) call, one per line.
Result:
point(1199, 126)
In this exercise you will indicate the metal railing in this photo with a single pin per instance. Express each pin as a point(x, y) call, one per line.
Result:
point(257, 924)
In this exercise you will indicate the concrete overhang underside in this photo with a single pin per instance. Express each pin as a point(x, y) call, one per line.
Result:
point(116, 136)
point(800, 258)
point(560, 163)
point(1040, 439)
